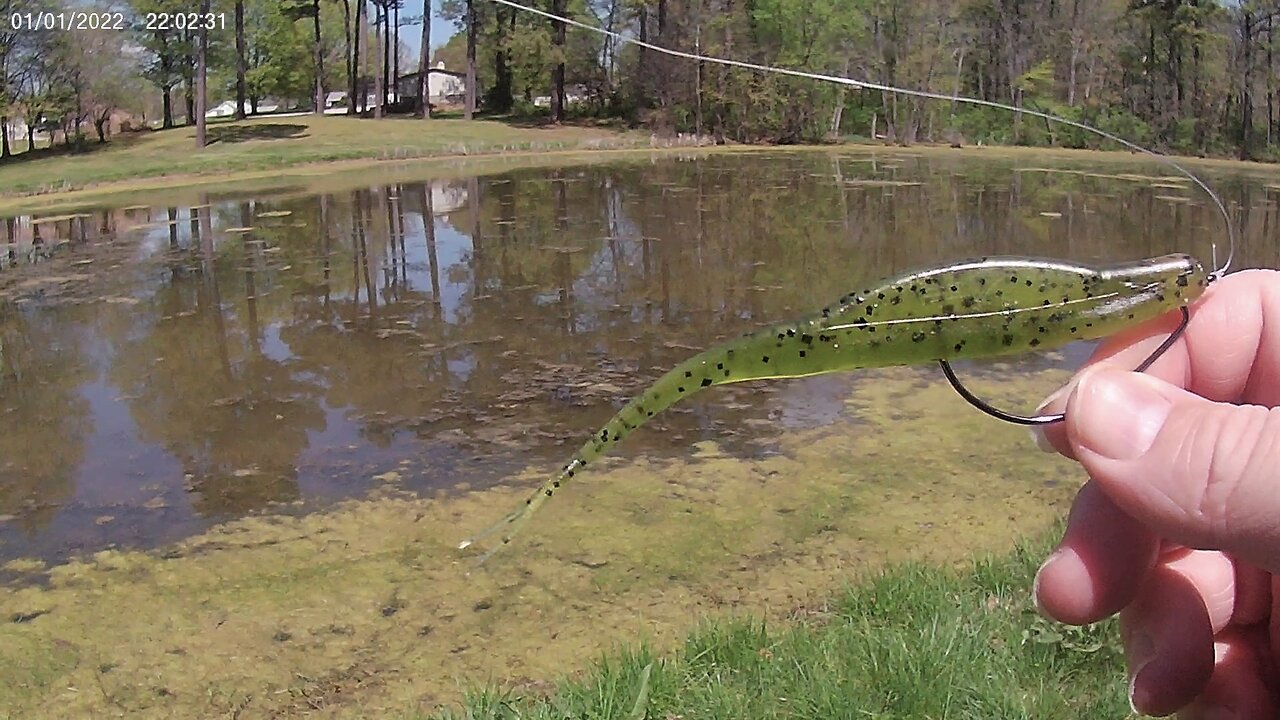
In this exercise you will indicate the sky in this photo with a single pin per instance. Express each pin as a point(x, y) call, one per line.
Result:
point(440, 30)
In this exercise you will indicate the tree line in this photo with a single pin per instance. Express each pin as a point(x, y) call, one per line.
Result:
point(182, 54)
point(1190, 76)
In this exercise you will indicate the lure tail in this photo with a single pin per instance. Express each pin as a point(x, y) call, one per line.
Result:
point(717, 366)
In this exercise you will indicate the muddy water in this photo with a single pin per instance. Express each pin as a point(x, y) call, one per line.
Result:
point(165, 368)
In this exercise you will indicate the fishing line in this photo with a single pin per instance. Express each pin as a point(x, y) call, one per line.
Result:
point(1217, 273)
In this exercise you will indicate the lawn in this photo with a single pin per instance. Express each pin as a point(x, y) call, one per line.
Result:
point(918, 641)
point(272, 143)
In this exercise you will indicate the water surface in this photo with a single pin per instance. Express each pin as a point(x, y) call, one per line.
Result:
point(164, 367)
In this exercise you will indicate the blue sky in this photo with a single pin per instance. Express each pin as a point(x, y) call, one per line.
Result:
point(440, 30)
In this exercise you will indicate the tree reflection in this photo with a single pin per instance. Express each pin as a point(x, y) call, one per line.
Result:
point(44, 419)
point(202, 387)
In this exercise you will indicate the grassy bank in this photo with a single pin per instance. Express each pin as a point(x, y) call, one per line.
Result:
point(269, 144)
point(263, 152)
point(918, 641)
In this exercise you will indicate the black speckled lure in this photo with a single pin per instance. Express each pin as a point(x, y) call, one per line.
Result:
point(971, 309)
point(980, 308)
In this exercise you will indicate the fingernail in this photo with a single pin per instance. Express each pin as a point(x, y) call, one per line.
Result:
point(1138, 696)
point(1139, 652)
point(1055, 396)
point(1042, 440)
point(1037, 432)
point(1035, 584)
point(1118, 414)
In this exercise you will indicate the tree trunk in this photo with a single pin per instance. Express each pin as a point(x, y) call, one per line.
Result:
point(1271, 80)
point(388, 81)
point(424, 64)
point(698, 82)
point(558, 7)
point(1246, 89)
point(241, 60)
point(642, 67)
point(189, 75)
point(31, 136)
point(500, 98)
point(395, 50)
point(379, 80)
point(4, 137)
point(166, 71)
point(319, 56)
point(470, 111)
point(357, 59)
point(350, 58)
point(202, 57)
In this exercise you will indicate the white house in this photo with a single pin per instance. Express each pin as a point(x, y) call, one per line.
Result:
point(226, 108)
point(335, 102)
point(442, 85)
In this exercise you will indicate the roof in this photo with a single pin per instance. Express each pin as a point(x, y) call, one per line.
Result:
point(437, 71)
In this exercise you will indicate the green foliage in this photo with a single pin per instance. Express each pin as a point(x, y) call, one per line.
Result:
point(1182, 75)
point(166, 48)
point(279, 51)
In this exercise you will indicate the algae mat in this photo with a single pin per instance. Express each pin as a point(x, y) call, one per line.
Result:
point(369, 611)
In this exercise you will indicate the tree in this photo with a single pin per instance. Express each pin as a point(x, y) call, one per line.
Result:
point(379, 63)
point(20, 56)
point(310, 9)
point(472, 31)
point(350, 56)
point(281, 61)
point(558, 7)
point(165, 48)
point(108, 76)
point(202, 76)
point(357, 59)
point(424, 64)
point(241, 61)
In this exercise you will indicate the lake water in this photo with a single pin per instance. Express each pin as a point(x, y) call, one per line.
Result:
point(167, 366)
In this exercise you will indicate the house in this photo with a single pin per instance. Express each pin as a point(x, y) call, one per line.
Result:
point(16, 129)
point(226, 108)
point(335, 102)
point(573, 95)
point(443, 86)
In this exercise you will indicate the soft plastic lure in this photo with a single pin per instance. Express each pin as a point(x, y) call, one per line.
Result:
point(971, 309)
point(974, 309)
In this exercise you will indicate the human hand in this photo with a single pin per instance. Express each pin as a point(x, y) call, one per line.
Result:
point(1178, 528)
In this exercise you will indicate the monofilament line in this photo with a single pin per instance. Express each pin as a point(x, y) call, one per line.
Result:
point(865, 85)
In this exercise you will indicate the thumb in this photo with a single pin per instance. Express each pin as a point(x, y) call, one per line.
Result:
point(1196, 472)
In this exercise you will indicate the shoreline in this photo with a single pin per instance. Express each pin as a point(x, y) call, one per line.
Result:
point(89, 193)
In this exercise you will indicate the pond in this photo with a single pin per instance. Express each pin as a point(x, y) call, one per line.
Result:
point(436, 346)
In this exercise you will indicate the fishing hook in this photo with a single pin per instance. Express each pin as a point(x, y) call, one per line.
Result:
point(995, 412)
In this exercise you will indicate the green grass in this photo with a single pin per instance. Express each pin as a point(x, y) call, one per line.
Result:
point(271, 143)
point(916, 642)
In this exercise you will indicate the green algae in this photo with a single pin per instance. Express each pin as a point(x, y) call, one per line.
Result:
point(369, 606)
